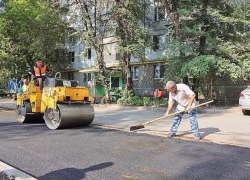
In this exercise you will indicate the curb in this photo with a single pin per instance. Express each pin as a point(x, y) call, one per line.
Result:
point(163, 109)
point(10, 104)
point(145, 108)
point(14, 174)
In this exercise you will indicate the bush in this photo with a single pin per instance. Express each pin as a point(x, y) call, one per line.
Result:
point(103, 101)
point(163, 101)
point(124, 94)
point(147, 101)
point(135, 100)
point(128, 98)
point(121, 101)
point(159, 102)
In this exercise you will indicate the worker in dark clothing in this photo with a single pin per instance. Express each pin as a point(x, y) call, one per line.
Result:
point(39, 73)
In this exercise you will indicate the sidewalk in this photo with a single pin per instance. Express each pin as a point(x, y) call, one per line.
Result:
point(217, 125)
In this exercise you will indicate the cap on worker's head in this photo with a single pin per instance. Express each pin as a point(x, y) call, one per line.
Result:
point(38, 59)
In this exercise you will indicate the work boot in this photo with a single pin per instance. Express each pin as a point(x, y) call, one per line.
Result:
point(170, 135)
point(197, 137)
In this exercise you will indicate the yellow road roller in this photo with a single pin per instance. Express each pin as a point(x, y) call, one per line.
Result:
point(61, 104)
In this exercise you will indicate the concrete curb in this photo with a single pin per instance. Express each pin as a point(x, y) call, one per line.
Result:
point(163, 109)
point(13, 173)
point(145, 108)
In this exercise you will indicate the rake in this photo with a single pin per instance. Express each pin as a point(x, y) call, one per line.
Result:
point(140, 126)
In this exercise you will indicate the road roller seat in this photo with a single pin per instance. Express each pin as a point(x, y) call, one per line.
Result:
point(59, 82)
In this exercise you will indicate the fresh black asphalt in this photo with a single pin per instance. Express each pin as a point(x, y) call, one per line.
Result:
point(95, 153)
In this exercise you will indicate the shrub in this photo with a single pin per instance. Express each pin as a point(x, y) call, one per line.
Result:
point(147, 101)
point(163, 101)
point(121, 101)
point(103, 101)
point(124, 94)
point(135, 100)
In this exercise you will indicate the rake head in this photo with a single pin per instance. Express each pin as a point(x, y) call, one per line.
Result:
point(139, 126)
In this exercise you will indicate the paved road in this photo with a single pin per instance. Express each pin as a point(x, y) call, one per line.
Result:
point(229, 127)
point(97, 153)
point(224, 125)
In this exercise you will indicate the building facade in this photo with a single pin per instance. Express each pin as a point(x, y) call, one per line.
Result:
point(147, 74)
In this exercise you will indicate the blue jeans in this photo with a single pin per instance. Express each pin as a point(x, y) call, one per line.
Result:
point(193, 122)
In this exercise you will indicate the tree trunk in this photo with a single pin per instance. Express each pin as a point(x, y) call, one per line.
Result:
point(206, 29)
point(202, 42)
point(127, 65)
point(196, 83)
point(103, 78)
point(173, 15)
point(185, 80)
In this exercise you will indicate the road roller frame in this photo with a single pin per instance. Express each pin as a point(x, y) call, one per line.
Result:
point(60, 105)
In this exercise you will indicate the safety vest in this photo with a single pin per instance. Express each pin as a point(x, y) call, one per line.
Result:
point(40, 72)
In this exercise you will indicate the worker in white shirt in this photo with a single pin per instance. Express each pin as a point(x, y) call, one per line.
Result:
point(185, 98)
point(25, 85)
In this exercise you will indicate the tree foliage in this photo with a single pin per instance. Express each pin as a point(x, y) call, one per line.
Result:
point(128, 17)
point(29, 29)
point(97, 18)
point(88, 20)
point(215, 40)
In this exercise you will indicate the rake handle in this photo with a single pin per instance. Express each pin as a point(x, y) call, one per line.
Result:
point(176, 112)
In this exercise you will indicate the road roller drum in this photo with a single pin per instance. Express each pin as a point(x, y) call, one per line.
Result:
point(25, 114)
point(66, 116)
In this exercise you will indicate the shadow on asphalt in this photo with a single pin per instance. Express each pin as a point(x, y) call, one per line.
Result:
point(73, 173)
point(6, 109)
point(204, 131)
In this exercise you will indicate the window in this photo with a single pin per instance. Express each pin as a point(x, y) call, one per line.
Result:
point(89, 53)
point(85, 77)
point(159, 42)
point(159, 13)
point(72, 56)
point(108, 30)
point(118, 56)
point(162, 41)
point(72, 39)
point(135, 72)
point(158, 71)
point(71, 76)
point(60, 54)
point(89, 77)
point(156, 42)
point(114, 81)
point(106, 7)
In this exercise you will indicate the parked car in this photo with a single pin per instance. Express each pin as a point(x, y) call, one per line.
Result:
point(3, 92)
point(244, 101)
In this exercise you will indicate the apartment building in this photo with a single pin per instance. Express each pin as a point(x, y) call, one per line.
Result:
point(147, 75)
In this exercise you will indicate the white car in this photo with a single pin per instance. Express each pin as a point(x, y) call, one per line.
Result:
point(244, 101)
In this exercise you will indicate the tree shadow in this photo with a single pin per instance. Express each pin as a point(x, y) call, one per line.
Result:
point(73, 173)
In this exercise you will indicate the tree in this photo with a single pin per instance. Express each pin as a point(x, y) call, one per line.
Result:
point(214, 40)
point(29, 29)
point(89, 23)
point(128, 16)
point(100, 17)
